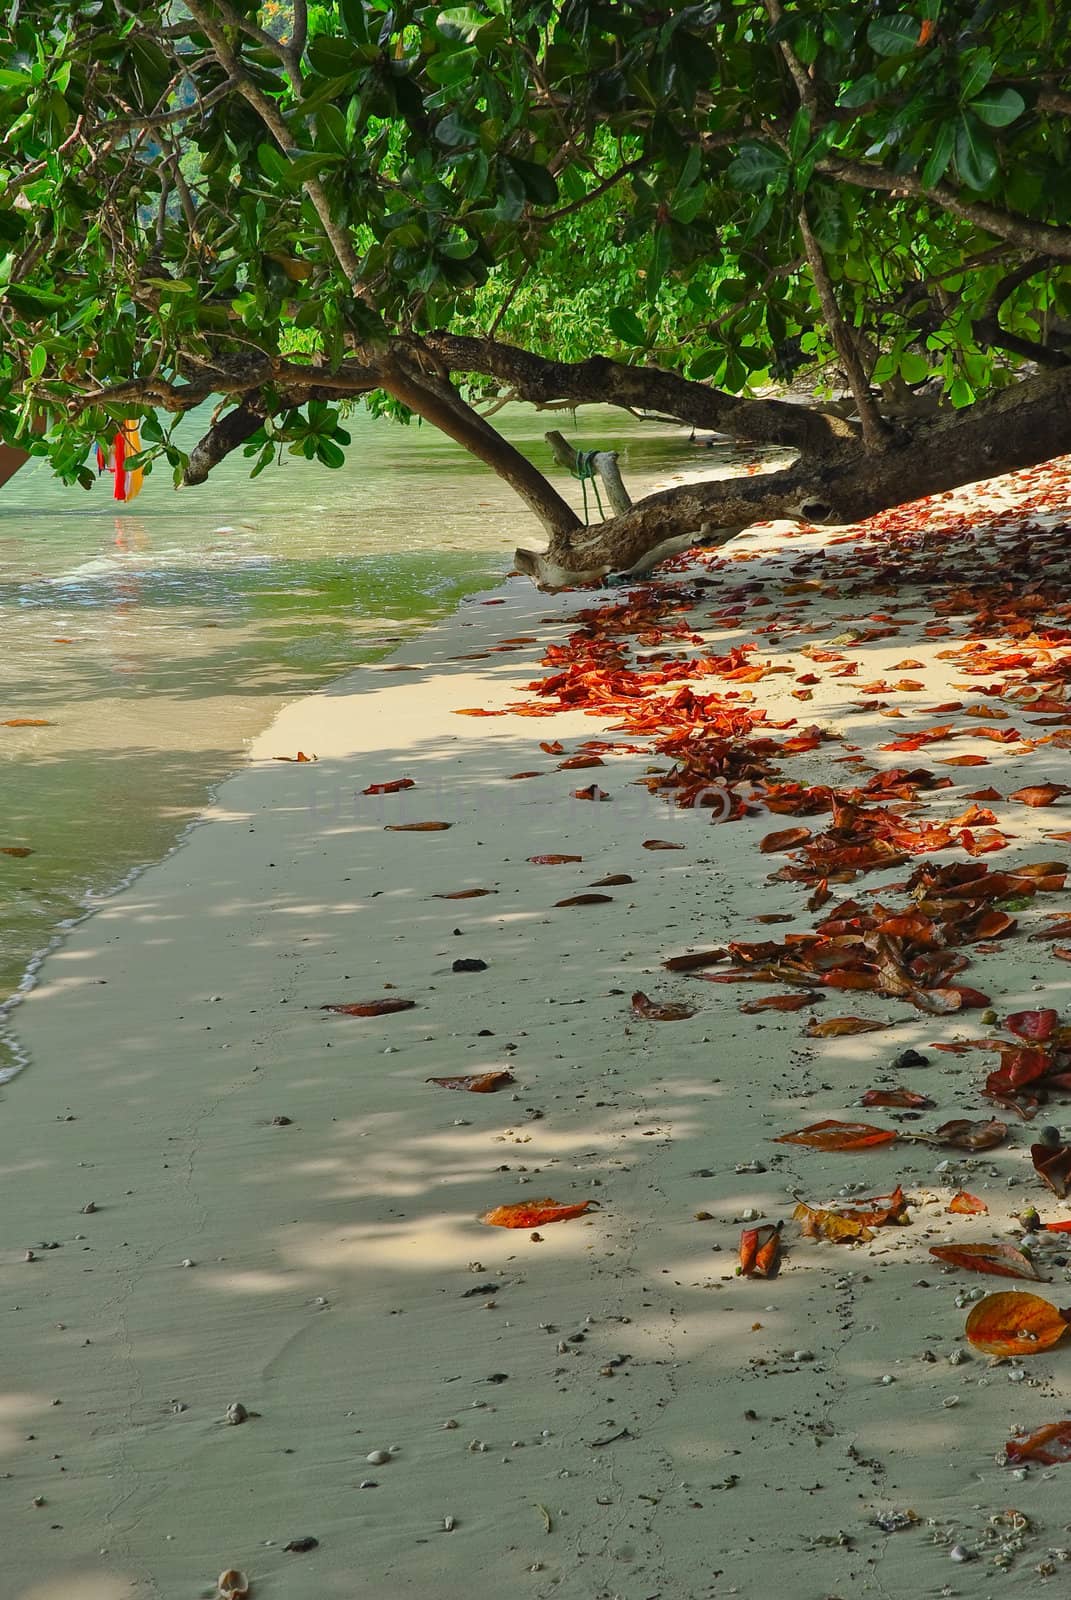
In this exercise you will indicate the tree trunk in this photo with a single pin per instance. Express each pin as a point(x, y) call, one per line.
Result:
point(1022, 425)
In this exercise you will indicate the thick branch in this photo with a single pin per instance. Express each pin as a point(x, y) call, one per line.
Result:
point(225, 435)
point(537, 380)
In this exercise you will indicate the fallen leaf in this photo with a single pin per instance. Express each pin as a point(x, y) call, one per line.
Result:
point(784, 839)
point(476, 1082)
point(393, 786)
point(961, 1134)
point(416, 827)
point(1003, 1260)
point(838, 1027)
point(533, 1213)
point(1040, 794)
point(19, 850)
point(967, 1205)
point(1015, 1324)
point(613, 881)
point(514, 776)
point(592, 792)
point(553, 861)
point(1053, 1166)
point(760, 1250)
point(465, 894)
point(778, 1002)
point(370, 1008)
point(1049, 1445)
point(580, 761)
point(834, 1135)
point(897, 1097)
point(26, 722)
point(655, 1011)
point(585, 900)
point(552, 747)
point(661, 844)
point(301, 756)
point(819, 1223)
point(1036, 1026)
point(694, 960)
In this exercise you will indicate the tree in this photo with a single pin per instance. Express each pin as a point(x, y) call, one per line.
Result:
point(669, 209)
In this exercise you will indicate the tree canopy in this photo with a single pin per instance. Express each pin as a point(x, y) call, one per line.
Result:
point(667, 208)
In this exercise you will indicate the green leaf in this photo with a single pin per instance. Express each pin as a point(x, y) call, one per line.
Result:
point(460, 22)
point(897, 35)
point(937, 161)
point(38, 360)
point(272, 162)
point(961, 394)
point(331, 131)
point(756, 167)
point(998, 107)
point(975, 71)
point(800, 133)
point(976, 159)
point(353, 20)
point(706, 364)
point(539, 186)
point(914, 368)
point(626, 325)
point(861, 91)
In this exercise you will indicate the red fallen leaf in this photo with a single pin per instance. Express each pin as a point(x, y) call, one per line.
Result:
point(1061, 951)
point(778, 1002)
point(416, 827)
point(1049, 1446)
point(775, 916)
point(592, 792)
point(1057, 1227)
point(552, 861)
point(476, 1082)
point(19, 850)
point(661, 844)
point(839, 1027)
point(833, 1135)
point(1034, 1025)
point(760, 1250)
point(552, 747)
point(1002, 1260)
point(394, 786)
point(967, 1205)
point(897, 1097)
point(515, 775)
point(694, 960)
point(301, 756)
point(533, 1213)
point(1015, 1324)
point(370, 1008)
point(26, 722)
point(580, 761)
point(654, 1011)
point(962, 1134)
point(586, 900)
point(1053, 1166)
point(1040, 794)
point(465, 894)
point(784, 839)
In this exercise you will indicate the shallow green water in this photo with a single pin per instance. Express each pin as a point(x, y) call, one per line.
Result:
point(157, 642)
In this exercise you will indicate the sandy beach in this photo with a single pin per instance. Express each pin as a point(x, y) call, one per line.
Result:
point(233, 1196)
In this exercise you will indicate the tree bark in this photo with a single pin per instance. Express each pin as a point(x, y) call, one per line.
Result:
point(1019, 427)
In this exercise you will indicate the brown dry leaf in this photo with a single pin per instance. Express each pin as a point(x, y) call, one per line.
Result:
point(515, 776)
point(784, 839)
point(392, 786)
point(1048, 1446)
point(476, 1082)
point(416, 827)
point(552, 861)
point(1002, 1260)
point(818, 1223)
point(655, 1011)
point(19, 850)
point(1040, 794)
point(833, 1135)
point(778, 1002)
point(580, 761)
point(838, 1027)
point(967, 1205)
point(661, 844)
point(1015, 1324)
point(465, 894)
point(962, 1134)
point(370, 1008)
point(910, 1098)
point(614, 881)
point(533, 1213)
point(1053, 1166)
point(694, 960)
point(585, 900)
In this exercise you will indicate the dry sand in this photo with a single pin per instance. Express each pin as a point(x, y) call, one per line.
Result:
point(330, 1273)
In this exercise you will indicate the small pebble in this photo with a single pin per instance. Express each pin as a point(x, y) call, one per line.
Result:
point(236, 1413)
point(959, 1552)
point(378, 1458)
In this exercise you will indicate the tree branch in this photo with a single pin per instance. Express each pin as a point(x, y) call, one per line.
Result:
point(874, 430)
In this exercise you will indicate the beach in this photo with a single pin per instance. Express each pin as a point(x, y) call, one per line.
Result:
point(235, 1196)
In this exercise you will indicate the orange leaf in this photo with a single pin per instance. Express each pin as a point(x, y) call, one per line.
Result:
point(19, 850)
point(778, 1002)
point(552, 861)
point(1015, 1324)
point(964, 761)
point(817, 1223)
point(1040, 794)
point(592, 792)
point(760, 1250)
point(653, 1011)
point(784, 839)
point(967, 1205)
point(552, 747)
point(476, 1082)
point(533, 1213)
point(1003, 1260)
point(370, 1008)
point(580, 761)
point(838, 1027)
point(394, 786)
point(833, 1135)
point(897, 1097)
point(301, 756)
point(1049, 1445)
point(26, 722)
point(416, 827)
point(585, 900)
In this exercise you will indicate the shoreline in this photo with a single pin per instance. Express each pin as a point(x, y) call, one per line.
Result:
point(626, 1409)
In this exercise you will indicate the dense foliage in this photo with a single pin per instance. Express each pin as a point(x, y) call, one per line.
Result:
point(286, 205)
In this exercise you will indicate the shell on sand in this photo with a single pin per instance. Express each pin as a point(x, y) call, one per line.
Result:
point(232, 1585)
